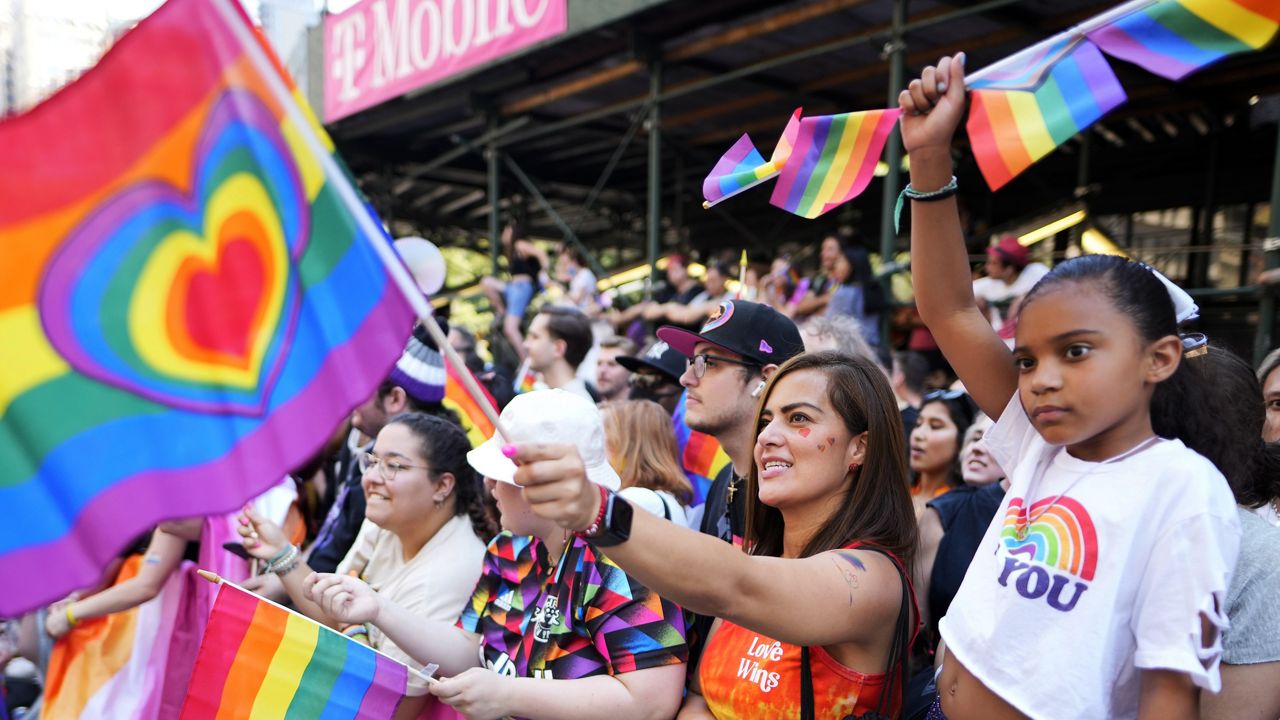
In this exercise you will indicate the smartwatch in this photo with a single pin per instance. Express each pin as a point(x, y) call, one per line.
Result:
point(616, 528)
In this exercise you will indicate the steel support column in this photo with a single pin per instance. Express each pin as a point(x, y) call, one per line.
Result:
point(653, 227)
point(1267, 306)
point(491, 155)
point(895, 50)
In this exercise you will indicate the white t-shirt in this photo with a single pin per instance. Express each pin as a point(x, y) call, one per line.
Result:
point(1111, 579)
point(1268, 512)
point(993, 290)
point(659, 502)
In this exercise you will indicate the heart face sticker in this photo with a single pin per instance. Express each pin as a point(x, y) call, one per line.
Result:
point(188, 298)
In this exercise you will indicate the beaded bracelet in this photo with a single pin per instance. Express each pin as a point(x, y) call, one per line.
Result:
point(911, 193)
point(282, 565)
point(594, 528)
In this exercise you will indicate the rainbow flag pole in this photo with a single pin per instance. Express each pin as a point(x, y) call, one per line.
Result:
point(399, 273)
point(261, 659)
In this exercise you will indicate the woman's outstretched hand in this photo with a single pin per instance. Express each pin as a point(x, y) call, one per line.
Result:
point(933, 106)
point(343, 598)
point(555, 483)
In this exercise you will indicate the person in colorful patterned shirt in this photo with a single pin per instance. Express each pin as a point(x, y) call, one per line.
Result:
point(816, 615)
point(548, 606)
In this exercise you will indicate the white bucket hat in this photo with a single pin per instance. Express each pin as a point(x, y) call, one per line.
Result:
point(548, 416)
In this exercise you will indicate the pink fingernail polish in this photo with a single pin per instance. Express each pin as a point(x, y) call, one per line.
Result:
point(510, 450)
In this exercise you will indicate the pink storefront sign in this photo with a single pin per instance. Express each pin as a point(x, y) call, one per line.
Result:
point(380, 49)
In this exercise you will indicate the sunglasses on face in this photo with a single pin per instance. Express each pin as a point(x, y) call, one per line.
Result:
point(942, 395)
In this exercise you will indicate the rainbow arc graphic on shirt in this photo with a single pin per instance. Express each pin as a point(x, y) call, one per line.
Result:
point(1022, 108)
point(1060, 535)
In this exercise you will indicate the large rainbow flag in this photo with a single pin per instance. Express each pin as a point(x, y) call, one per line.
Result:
point(260, 660)
point(1174, 38)
point(833, 162)
point(189, 296)
point(743, 167)
point(1023, 111)
point(701, 455)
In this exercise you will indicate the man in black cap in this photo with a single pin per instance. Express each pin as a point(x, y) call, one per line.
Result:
point(655, 374)
point(728, 362)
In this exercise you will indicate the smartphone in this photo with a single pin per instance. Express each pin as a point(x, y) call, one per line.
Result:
point(237, 549)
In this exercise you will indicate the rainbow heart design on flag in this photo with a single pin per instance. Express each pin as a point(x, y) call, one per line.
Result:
point(186, 296)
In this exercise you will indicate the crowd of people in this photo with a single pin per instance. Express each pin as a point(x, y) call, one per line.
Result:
point(1061, 505)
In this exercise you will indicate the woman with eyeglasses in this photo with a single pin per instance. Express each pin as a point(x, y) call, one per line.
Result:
point(934, 445)
point(423, 540)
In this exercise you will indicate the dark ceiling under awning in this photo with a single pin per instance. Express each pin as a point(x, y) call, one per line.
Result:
point(572, 117)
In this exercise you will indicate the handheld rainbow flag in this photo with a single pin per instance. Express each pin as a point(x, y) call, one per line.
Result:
point(1022, 111)
point(526, 379)
point(474, 419)
point(743, 167)
point(1174, 38)
point(189, 293)
point(260, 660)
point(834, 159)
point(701, 455)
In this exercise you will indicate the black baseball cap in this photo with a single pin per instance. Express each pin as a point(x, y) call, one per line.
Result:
point(659, 356)
point(754, 331)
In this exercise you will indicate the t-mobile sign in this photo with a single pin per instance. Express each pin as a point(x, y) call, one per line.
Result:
point(380, 49)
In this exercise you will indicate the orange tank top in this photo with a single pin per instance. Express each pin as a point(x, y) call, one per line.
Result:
point(749, 676)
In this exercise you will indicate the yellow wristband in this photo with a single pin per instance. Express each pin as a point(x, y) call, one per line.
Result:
point(71, 617)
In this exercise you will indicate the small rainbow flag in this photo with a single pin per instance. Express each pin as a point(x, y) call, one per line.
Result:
point(474, 420)
point(526, 379)
point(260, 660)
point(743, 167)
point(190, 296)
point(701, 455)
point(835, 157)
point(1174, 38)
point(1021, 113)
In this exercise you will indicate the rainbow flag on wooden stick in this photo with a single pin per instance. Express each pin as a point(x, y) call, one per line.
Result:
point(743, 167)
point(191, 297)
point(260, 660)
point(1174, 38)
point(834, 159)
point(1022, 111)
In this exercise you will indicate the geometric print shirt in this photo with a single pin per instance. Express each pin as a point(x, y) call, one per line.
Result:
point(580, 618)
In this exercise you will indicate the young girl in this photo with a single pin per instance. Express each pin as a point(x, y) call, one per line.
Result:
point(1098, 589)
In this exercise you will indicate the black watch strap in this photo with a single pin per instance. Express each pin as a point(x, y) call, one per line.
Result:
point(615, 529)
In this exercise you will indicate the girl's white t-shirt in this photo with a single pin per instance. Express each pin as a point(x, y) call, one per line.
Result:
point(1110, 580)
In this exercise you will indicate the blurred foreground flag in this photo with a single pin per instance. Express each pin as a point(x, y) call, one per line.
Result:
point(260, 660)
point(1174, 38)
point(190, 298)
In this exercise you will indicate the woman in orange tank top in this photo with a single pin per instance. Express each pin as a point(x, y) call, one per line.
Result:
point(829, 529)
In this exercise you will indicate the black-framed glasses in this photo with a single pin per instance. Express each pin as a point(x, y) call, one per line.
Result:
point(702, 361)
point(942, 395)
point(387, 469)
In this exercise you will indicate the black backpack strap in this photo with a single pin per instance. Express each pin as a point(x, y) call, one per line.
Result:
point(806, 685)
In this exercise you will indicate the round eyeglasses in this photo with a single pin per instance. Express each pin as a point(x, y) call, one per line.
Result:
point(387, 469)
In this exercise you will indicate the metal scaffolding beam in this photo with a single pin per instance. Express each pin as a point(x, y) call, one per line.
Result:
point(653, 226)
